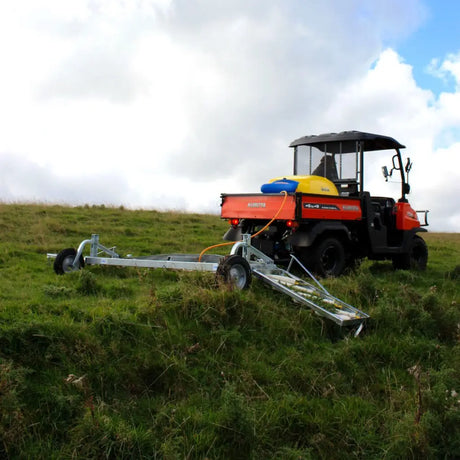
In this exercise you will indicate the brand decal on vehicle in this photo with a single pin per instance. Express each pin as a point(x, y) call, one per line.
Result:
point(328, 207)
point(256, 205)
point(349, 207)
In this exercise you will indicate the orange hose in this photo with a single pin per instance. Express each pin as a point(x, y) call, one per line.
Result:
point(214, 246)
point(252, 236)
point(274, 217)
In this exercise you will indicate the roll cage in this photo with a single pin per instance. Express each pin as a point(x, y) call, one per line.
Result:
point(340, 158)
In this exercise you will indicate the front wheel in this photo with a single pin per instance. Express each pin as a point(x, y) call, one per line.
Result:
point(328, 257)
point(235, 271)
point(64, 261)
point(416, 258)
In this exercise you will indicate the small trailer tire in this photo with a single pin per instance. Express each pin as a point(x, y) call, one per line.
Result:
point(235, 271)
point(64, 261)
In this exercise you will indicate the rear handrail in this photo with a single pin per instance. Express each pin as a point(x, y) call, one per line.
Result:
point(425, 217)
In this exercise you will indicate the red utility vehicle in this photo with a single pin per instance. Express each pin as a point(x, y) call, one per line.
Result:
point(328, 220)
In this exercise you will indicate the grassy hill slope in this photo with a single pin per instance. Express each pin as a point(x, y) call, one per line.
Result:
point(128, 363)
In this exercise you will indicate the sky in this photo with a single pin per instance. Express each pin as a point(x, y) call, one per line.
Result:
point(166, 104)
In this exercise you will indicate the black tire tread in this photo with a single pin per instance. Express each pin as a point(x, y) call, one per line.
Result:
point(58, 262)
point(316, 255)
point(223, 270)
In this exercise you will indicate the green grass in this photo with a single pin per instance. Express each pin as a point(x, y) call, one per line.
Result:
point(167, 366)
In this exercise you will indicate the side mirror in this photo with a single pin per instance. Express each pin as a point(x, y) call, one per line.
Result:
point(408, 166)
point(385, 172)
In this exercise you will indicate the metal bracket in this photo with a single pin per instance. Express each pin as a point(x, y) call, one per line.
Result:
point(249, 252)
point(95, 246)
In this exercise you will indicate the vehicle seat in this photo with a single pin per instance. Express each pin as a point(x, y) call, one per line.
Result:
point(347, 187)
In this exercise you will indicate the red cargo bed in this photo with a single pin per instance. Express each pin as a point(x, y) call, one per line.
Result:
point(258, 206)
point(265, 205)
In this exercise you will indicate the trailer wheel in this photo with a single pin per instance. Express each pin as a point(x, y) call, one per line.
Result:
point(64, 261)
point(235, 271)
point(415, 259)
point(328, 257)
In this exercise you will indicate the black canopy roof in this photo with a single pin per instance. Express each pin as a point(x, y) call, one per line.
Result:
point(345, 142)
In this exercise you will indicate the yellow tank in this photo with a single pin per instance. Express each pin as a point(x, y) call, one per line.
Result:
point(311, 184)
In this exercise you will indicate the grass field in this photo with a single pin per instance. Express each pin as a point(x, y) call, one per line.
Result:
point(129, 363)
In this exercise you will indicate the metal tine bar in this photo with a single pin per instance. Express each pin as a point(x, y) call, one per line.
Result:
point(321, 294)
point(341, 316)
point(285, 289)
point(358, 331)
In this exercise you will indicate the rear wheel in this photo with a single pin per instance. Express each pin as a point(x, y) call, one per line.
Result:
point(416, 258)
point(328, 257)
point(235, 271)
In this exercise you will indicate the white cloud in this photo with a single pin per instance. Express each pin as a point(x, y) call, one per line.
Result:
point(168, 103)
point(447, 69)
